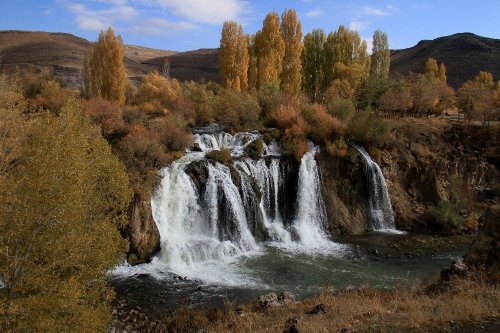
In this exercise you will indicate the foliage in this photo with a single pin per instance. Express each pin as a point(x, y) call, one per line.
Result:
point(398, 98)
point(203, 98)
point(322, 125)
point(478, 99)
point(445, 215)
point(368, 129)
point(341, 108)
point(158, 90)
point(313, 64)
point(237, 110)
point(270, 49)
point(379, 66)
point(291, 32)
point(222, 156)
point(46, 94)
point(337, 148)
point(107, 115)
point(104, 70)
point(255, 149)
point(233, 57)
point(60, 210)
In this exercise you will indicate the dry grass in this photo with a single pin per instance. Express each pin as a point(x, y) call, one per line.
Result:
point(359, 311)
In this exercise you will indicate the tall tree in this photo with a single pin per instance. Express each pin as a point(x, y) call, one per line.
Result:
point(346, 57)
point(270, 51)
point(291, 32)
point(60, 210)
point(442, 73)
point(233, 57)
point(252, 61)
point(431, 68)
point(381, 59)
point(104, 70)
point(312, 63)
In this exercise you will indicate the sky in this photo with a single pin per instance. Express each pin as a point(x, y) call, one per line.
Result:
point(182, 25)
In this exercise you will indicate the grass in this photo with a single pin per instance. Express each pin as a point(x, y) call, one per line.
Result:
point(364, 310)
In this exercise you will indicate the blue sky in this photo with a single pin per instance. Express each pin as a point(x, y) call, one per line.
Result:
point(192, 24)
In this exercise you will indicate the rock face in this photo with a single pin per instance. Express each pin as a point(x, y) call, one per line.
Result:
point(142, 232)
point(344, 193)
point(485, 251)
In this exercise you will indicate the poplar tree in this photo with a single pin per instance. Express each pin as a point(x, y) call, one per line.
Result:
point(103, 68)
point(233, 57)
point(442, 73)
point(291, 32)
point(431, 68)
point(270, 52)
point(312, 63)
point(346, 57)
point(381, 59)
point(252, 61)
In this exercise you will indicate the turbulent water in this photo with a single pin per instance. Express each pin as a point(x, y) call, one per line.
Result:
point(381, 215)
point(210, 216)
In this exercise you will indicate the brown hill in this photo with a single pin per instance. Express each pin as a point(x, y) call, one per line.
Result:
point(464, 55)
point(61, 55)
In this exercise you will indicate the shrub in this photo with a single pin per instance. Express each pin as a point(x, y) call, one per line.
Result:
point(284, 116)
point(294, 146)
point(237, 109)
point(47, 94)
point(202, 96)
point(155, 87)
point(255, 149)
point(170, 133)
point(337, 148)
point(222, 156)
point(322, 125)
point(445, 215)
point(341, 108)
point(107, 115)
point(368, 129)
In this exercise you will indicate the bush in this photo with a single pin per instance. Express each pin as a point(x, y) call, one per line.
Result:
point(341, 108)
point(237, 110)
point(322, 125)
point(284, 116)
point(337, 148)
point(445, 216)
point(107, 115)
point(255, 149)
point(368, 129)
point(170, 133)
point(294, 146)
point(202, 96)
point(155, 87)
point(222, 156)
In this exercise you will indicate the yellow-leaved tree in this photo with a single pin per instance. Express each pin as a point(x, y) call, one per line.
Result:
point(103, 68)
point(233, 57)
point(270, 52)
point(62, 203)
point(291, 32)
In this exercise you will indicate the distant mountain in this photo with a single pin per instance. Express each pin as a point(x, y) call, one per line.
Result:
point(464, 55)
point(61, 55)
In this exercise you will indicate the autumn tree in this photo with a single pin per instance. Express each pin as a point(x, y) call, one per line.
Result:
point(104, 70)
point(397, 99)
point(346, 57)
point(61, 206)
point(442, 73)
point(270, 51)
point(291, 32)
point(477, 97)
point(379, 66)
point(431, 68)
point(252, 61)
point(312, 63)
point(233, 57)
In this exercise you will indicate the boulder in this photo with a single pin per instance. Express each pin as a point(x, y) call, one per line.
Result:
point(318, 309)
point(269, 300)
point(292, 325)
point(286, 298)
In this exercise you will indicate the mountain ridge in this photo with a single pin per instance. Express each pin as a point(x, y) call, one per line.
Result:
point(61, 54)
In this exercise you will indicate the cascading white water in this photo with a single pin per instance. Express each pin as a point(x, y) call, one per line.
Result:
point(311, 214)
point(381, 214)
point(206, 224)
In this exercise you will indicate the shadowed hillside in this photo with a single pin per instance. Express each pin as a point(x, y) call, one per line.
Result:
point(61, 55)
point(464, 55)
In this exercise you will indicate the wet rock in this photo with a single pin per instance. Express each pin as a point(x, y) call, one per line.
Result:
point(196, 147)
point(292, 325)
point(268, 300)
point(142, 232)
point(318, 309)
point(286, 298)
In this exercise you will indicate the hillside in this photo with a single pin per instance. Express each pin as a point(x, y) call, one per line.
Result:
point(61, 55)
point(464, 55)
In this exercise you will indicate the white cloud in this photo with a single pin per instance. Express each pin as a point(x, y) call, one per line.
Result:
point(157, 26)
point(359, 25)
point(203, 11)
point(48, 11)
point(314, 13)
point(382, 11)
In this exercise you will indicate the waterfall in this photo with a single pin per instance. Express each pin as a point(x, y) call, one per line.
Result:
point(218, 213)
point(381, 214)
